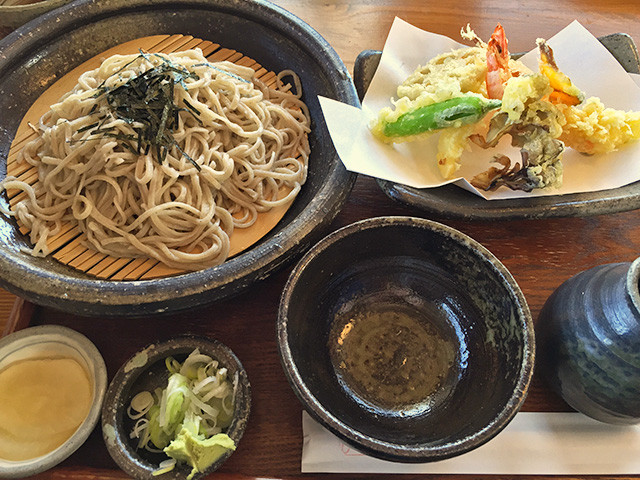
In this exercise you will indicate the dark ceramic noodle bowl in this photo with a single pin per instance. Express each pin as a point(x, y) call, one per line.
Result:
point(440, 276)
point(42, 51)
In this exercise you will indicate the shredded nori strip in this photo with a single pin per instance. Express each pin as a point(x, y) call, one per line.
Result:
point(88, 127)
point(147, 100)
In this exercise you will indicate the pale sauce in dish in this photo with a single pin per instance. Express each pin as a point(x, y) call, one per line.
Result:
point(42, 403)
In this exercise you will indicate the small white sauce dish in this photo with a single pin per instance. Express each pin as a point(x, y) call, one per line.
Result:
point(46, 341)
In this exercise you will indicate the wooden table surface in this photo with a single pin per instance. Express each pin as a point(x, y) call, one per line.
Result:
point(541, 254)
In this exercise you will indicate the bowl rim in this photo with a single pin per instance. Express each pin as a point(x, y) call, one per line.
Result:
point(98, 372)
point(33, 7)
point(370, 445)
point(115, 402)
point(143, 297)
point(633, 283)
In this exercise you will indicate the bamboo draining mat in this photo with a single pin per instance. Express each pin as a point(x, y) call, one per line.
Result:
point(67, 246)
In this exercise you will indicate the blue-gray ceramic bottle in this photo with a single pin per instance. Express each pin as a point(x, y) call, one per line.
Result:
point(588, 337)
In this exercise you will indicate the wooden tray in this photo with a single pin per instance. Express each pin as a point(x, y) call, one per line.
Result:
point(272, 444)
point(19, 317)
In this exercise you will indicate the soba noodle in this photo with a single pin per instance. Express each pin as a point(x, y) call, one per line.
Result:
point(249, 143)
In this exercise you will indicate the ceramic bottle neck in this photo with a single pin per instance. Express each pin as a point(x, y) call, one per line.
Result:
point(633, 285)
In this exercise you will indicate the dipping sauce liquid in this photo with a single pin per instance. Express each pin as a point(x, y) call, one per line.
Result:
point(42, 402)
point(389, 357)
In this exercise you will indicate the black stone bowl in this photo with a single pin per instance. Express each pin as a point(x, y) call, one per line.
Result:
point(146, 371)
point(37, 54)
point(423, 280)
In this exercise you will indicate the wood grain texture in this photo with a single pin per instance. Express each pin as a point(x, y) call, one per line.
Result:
point(7, 300)
point(540, 254)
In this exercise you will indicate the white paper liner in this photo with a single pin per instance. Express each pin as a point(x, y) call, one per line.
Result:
point(578, 53)
point(532, 444)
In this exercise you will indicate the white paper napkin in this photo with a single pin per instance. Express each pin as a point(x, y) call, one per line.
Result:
point(578, 53)
point(532, 444)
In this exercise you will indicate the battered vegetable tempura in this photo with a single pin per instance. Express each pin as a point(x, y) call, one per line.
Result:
point(596, 129)
point(478, 94)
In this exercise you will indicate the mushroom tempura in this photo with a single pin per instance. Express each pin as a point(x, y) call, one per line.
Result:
point(479, 94)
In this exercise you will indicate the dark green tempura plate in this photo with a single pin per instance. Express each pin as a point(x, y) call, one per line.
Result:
point(450, 201)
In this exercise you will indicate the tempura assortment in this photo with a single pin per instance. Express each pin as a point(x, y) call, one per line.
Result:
point(476, 95)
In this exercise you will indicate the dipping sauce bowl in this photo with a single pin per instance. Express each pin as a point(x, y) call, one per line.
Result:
point(406, 338)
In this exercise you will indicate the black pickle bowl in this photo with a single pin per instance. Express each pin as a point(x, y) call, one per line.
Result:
point(40, 52)
point(406, 338)
point(145, 371)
